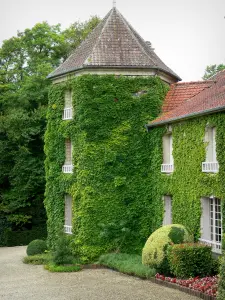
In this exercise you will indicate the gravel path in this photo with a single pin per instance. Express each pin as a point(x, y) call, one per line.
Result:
point(20, 281)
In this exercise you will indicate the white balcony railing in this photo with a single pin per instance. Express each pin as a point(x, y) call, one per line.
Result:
point(210, 167)
point(167, 168)
point(67, 168)
point(68, 229)
point(216, 246)
point(68, 113)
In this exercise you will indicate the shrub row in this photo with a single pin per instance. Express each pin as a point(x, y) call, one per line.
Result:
point(21, 238)
point(190, 260)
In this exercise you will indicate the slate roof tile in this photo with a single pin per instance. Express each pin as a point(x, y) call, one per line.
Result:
point(113, 43)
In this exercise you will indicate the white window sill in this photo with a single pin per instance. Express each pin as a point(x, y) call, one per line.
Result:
point(210, 167)
point(167, 168)
point(216, 246)
point(68, 169)
point(67, 113)
point(68, 229)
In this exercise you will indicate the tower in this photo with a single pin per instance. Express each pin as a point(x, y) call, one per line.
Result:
point(98, 153)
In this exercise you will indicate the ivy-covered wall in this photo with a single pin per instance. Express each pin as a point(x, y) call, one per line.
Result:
point(113, 157)
point(187, 184)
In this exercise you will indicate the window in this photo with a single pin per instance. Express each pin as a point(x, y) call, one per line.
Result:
point(167, 166)
point(210, 165)
point(68, 107)
point(68, 166)
point(167, 219)
point(211, 223)
point(68, 214)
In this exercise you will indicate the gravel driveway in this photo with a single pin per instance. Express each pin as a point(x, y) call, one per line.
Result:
point(20, 281)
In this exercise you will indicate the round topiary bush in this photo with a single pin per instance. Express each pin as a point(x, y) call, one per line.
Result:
point(154, 252)
point(36, 247)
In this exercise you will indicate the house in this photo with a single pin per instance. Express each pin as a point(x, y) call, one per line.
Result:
point(103, 170)
point(193, 157)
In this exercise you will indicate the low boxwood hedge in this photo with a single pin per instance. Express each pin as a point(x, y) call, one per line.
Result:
point(190, 260)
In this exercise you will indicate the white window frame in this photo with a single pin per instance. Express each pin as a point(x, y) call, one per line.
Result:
point(68, 214)
point(68, 165)
point(168, 163)
point(211, 223)
point(167, 203)
point(68, 106)
point(211, 164)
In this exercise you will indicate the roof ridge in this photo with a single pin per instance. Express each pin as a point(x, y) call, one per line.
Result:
point(83, 42)
point(106, 19)
point(132, 30)
point(217, 73)
point(192, 82)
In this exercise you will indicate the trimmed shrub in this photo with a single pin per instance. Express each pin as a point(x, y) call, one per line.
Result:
point(221, 287)
point(63, 253)
point(154, 253)
point(38, 259)
point(190, 260)
point(36, 247)
point(56, 268)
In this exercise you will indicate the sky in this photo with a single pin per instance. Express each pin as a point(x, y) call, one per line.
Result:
point(187, 35)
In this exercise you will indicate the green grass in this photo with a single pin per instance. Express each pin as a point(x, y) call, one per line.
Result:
point(127, 263)
point(46, 259)
point(38, 259)
point(62, 268)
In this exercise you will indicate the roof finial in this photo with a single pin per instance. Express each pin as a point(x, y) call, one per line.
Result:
point(114, 3)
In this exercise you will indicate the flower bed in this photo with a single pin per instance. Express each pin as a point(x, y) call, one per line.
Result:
point(207, 285)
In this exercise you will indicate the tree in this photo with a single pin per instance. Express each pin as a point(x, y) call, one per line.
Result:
point(25, 62)
point(212, 70)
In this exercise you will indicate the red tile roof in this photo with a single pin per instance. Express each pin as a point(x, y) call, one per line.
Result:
point(209, 100)
point(182, 91)
point(113, 43)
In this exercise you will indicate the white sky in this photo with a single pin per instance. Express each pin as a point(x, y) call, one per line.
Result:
point(186, 35)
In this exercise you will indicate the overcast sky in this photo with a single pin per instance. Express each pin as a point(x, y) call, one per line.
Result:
point(187, 35)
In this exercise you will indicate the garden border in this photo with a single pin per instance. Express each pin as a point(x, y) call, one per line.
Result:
point(183, 289)
point(157, 281)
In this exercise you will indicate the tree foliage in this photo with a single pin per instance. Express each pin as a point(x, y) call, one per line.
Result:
point(212, 70)
point(25, 62)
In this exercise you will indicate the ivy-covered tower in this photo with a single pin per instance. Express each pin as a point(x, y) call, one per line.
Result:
point(98, 153)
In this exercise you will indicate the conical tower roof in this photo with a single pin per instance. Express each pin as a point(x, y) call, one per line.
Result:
point(113, 44)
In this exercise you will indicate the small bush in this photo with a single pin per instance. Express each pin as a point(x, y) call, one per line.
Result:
point(127, 263)
point(221, 286)
point(154, 253)
point(215, 266)
point(36, 247)
point(190, 260)
point(39, 259)
point(56, 268)
point(63, 253)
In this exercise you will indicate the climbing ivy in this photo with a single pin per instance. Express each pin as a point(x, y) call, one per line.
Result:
point(113, 156)
point(187, 184)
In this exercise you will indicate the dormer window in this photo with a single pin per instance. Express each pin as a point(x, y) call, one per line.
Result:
point(167, 166)
point(210, 165)
point(68, 166)
point(68, 107)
